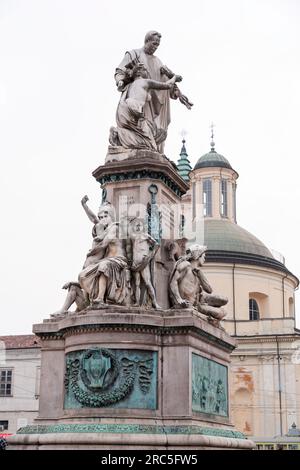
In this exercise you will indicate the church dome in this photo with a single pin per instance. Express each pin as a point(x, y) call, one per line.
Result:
point(227, 236)
point(212, 159)
point(229, 243)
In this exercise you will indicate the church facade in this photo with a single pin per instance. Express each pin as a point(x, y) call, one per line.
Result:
point(265, 367)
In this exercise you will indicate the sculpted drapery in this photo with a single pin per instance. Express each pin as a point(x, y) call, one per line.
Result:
point(150, 129)
point(157, 109)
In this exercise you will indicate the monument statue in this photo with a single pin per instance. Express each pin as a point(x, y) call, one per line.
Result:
point(104, 276)
point(144, 249)
point(157, 377)
point(190, 288)
point(136, 127)
point(111, 263)
point(155, 107)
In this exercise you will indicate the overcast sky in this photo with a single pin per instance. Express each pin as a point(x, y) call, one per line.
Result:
point(240, 61)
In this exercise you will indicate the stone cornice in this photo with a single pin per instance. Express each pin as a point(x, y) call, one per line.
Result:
point(238, 258)
point(159, 331)
point(148, 165)
point(126, 319)
point(289, 338)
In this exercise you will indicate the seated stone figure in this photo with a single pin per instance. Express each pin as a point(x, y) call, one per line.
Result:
point(104, 277)
point(104, 274)
point(75, 295)
point(136, 128)
point(190, 288)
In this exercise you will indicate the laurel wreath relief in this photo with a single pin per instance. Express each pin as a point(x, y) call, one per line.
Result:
point(125, 369)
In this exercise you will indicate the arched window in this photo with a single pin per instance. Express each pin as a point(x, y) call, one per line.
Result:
point(253, 310)
point(207, 198)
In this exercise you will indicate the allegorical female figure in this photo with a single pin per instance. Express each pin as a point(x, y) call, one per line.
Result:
point(104, 276)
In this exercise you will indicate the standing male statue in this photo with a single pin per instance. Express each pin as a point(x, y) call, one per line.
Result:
point(157, 107)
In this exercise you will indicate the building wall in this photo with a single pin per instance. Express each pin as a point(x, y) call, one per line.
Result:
point(272, 290)
point(265, 361)
point(257, 378)
point(21, 407)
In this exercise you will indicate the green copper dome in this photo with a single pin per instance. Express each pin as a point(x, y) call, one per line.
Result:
point(227, 242)
point(223, 235)
point(212, 158)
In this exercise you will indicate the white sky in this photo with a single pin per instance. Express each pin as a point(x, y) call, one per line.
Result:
point(240, 60)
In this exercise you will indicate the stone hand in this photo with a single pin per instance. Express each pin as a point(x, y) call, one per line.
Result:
point(84, 200)
point(120, 85)
point(178, 78)
point(172, 80)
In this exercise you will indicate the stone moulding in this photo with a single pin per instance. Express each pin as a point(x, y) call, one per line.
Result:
point(144, 174)
point(160, 331)
point(129, 429)
point(145, 167)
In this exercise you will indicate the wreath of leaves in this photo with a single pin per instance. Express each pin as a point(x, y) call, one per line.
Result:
point(91, 399)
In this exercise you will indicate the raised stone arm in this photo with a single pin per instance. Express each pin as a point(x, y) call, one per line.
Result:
point(93, 218)
point(155, 85)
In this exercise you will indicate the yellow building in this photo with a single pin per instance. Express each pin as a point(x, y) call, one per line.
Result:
point(265, 369)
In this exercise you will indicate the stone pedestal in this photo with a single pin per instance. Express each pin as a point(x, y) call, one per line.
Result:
point(130, 378)
point(146, 178)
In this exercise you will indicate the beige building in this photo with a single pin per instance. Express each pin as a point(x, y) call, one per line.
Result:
point(265, 369)
point(19, 381)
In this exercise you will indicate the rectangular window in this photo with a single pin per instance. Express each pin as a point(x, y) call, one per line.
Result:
point(5, 382)
point(207, 198)
point(223, 198)
point(3, 426)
